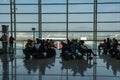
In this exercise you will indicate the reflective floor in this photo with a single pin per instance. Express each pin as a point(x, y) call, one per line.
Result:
point(101, 67)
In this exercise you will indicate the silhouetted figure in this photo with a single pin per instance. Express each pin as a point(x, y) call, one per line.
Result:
point(11, 41)
point(83, 49)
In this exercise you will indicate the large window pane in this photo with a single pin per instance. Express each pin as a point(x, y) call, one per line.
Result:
point(108, 0)
point(80, 27)
point(81, 35)
point(54, 35)
point(53, 8)
point(108, 7)
point(5, 18)
point(26, 27)
point(54, 27)
point(53, 1)
point(26, 1)
point(4, 1)
point(24, 35)
point(81, 8)
point(104, 35)
point(54, 18)
point(80, 1)
point(108, 26)
point(27, 18)
point(108, 17)
point(27, 8)
point(80, 17)
point(4, 8)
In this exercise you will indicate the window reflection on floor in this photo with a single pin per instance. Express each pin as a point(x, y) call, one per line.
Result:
point(17, 68)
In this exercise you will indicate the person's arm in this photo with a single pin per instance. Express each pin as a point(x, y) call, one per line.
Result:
point(84, 47)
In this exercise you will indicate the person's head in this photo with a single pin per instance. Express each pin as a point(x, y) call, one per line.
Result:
point(81, 41)
point(104, 40)
point(28, 40)
point(61, 42)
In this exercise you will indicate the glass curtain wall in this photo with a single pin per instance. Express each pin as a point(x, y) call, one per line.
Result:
point(61, 19)
point(90, 20)
point(108, 19)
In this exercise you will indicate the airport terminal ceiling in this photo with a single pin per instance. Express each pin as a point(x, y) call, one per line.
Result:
point(61, 19)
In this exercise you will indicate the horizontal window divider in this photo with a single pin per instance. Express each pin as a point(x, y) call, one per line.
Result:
point(4, 13)
point(108, 31)
point(21, 4)
point(70, 3)
point(108, 3)
point(41, 31)
point(20, 22)
point(108, 22)
point(18, 13)
point(66, 31)
point(65, 13)
point(4, 3)
point(27, 13)
point(94, 31)
point(26, 22)
point(55, 13)
point(47, 3)
point(74, 31)
point(69, 13)
point(5, 22)
point(107, 12)
point(27, 4)
point(41, 4)
point(87, 22)
point(81, 22)
point(68, 22)
point(49, 75)
point(53, 31)
point(43, 13)
point(53, 4)
point(65, 3)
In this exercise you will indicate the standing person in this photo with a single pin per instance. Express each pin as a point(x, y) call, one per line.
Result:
point(11, 41)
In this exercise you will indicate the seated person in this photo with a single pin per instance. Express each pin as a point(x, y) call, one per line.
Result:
point(37, 45)
point(84, 49)
point(114, 50)
point(103, 46)
point(66, 47)
point(28, 49)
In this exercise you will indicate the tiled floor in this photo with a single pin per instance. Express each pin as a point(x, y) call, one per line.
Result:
point(101, 67)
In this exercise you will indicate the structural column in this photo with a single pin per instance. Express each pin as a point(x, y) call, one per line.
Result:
point(95, 39)
point(11, 17)
point(95, 21)
point(67, 19)
point(40, 19)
